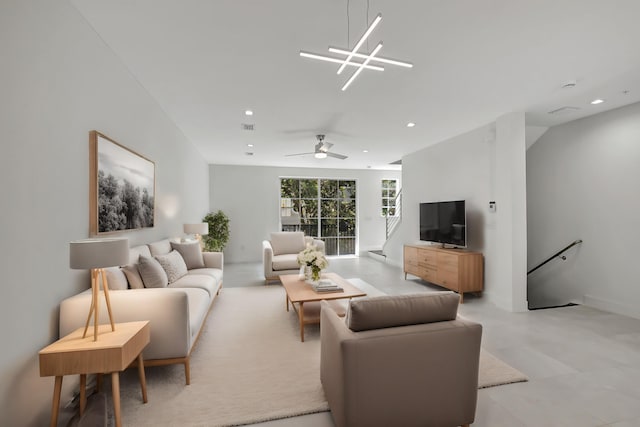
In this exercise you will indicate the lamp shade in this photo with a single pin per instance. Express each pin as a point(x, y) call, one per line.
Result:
point(98, 253)
point(201, 228)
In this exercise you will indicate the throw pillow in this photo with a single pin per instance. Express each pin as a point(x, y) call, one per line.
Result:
point(191, 253)
point(116, 279)
point(173, 264)
point(133, 276)
point(152, 273)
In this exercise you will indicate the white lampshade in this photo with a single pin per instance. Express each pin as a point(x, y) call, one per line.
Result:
point(201, 228)
point(98, 253)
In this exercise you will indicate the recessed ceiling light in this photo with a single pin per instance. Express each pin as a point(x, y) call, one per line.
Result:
point(410, 124)
point(249, 145)
point(597, 101)
point(365, 151)
point(248, 113)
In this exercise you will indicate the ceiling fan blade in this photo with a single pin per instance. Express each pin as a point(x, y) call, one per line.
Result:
point(337, 156)
point(324, 146)
point(298, 154)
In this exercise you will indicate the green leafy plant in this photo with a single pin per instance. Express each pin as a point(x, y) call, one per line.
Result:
point(218, 235)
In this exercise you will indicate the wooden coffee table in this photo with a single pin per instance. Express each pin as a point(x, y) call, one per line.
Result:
point(306, 301)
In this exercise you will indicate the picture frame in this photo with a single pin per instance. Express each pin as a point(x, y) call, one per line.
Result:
point(122, 187)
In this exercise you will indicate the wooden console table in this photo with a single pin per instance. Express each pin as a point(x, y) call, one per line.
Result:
point(455, 269)
point(112, 353)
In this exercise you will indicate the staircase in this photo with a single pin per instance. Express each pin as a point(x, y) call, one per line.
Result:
point(536, 298)
point(393, 221)
point(391, 224)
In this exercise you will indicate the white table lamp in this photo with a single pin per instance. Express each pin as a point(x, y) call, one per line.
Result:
point(96, 255)
point(198, 230)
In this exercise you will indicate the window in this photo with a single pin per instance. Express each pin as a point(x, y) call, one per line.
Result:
point(327, 209)
point(389, 194)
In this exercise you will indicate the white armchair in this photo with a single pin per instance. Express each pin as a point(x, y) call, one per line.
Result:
point(280, 253)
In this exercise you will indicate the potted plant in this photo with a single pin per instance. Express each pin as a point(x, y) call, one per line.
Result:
point(218, 235)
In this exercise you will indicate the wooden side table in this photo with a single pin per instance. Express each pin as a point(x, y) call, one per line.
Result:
point(112, 353)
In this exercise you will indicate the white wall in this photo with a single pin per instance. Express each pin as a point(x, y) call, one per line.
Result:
point(511, 212)
point(58, 81)
point(481, 165)
point(582, 183)
point(250, 196)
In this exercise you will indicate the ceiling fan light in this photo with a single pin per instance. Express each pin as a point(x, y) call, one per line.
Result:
point(320, 155)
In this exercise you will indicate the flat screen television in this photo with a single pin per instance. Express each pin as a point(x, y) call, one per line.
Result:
point(444, 222)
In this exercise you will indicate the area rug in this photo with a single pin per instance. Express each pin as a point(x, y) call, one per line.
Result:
point(249, 366)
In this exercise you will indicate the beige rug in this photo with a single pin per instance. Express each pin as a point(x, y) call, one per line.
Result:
point(249, 366)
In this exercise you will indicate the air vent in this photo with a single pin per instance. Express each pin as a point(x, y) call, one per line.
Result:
point(397, 162)
point(246, 126)
point(564, 110)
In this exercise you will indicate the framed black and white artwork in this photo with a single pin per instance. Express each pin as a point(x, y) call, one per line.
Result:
point(122, 195)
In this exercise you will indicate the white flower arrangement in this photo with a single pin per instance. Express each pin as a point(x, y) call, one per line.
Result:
point(314, 259)
point(311, 256)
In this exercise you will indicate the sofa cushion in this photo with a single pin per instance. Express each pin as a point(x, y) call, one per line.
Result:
point(116, 279)
point(199, 281)
point(191, 253)
point(161, 247)
point(173, 264)
point(136, 251)
point(216, 273)
point(133, 276)
point(401, 310)
point(152, 273)
point(285, 262)
point(287, 242)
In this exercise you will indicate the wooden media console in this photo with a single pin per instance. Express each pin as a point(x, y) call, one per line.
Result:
point(455, 269)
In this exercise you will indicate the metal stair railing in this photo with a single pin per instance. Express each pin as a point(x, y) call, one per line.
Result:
point(556, 255)
point(392, 221)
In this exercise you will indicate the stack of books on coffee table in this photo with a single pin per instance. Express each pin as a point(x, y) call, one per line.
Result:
point(326, 285)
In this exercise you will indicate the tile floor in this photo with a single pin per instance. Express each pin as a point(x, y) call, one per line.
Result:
point(583, 364)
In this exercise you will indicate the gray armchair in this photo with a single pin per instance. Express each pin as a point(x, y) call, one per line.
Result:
point(280, 253)
point(400, 361)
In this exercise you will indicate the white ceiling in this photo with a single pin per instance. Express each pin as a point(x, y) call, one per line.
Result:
point(206, 62)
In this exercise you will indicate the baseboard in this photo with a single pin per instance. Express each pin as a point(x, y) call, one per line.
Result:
point(612, 306)
point(377, 256)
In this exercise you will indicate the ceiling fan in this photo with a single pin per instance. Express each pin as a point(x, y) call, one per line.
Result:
point(321, 150)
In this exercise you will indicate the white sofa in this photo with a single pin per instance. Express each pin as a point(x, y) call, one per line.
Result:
point(280, 253)
point(176, 311)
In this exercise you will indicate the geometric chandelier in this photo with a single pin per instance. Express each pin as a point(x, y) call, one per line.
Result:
point(352, 56)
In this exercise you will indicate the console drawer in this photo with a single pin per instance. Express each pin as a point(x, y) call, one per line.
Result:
point(429, 274)
point(411, 255)
point(448, 279)
point(428, 257)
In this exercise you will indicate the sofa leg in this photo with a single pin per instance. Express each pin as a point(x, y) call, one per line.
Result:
point(187, 371)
